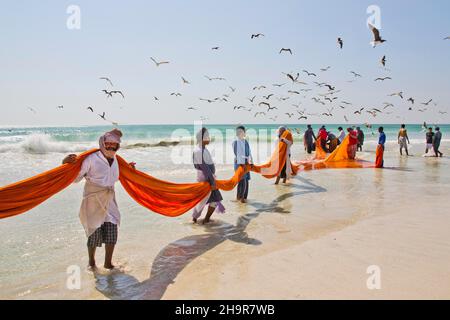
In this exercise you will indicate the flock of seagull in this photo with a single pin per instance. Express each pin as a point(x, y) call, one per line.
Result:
point(263, 105)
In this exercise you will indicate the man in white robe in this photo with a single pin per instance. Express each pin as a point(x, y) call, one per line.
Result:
point(99, 213)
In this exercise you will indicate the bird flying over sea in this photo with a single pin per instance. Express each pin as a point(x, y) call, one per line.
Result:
point(158, 63)
point(108, 93)
point(185, 81)
point(382, 79)
point(310, 73)
point(376, 36)
point(108, 80)
point(285, 50)
point(118, 92)
point(359, 111)
point(102, 116)
point(400, 94)
point(257, 35)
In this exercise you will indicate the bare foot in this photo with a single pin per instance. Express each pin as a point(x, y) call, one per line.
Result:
point(109, 266)
point(92, 268)
point(243, 200)
point(205, 221)
point(194, 220)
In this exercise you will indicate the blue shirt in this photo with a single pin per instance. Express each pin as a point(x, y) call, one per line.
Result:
point(382, 139)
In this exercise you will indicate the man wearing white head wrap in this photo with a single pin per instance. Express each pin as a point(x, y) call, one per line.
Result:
point(99, 213)
point(204, 164)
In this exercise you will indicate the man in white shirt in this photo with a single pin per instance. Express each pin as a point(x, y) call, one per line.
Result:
point(99, 213)
point(341, 135)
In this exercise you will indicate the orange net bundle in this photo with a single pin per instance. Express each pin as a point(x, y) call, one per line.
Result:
point(338, 159)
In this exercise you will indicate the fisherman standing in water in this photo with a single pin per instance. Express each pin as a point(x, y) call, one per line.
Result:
point(99, 213)
point(206, 171)
point(403, 139)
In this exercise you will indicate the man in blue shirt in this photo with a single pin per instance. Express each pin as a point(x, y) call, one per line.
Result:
point(379, 161)
point(382, 138)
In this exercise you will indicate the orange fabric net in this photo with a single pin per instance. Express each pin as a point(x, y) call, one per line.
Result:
point(163, 197)
point(379, 157)
point(338, 159)
point(320, 153)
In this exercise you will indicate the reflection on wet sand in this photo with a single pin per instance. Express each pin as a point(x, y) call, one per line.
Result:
point(173, 258)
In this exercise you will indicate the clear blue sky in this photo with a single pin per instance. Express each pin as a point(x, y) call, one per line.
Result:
point(44, 64)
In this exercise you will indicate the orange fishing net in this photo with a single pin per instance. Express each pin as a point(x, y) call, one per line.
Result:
point(320, 153)
point(163, 197)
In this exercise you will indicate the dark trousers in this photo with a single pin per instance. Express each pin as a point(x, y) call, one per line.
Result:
point(309, 147)
point(242, 189)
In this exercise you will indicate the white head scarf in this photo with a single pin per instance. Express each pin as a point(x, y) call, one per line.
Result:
point(111, 136)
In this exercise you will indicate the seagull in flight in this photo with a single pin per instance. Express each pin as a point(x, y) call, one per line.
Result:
point(285, 50)
point(158, 63)
point(108, 80)
point(102, 116)
point(376, 36)
point(108, 93)
point(257, 35)
point(185, 81)
point(310, 73)
point(382, 79)
point(400, 94)
point(118, 92)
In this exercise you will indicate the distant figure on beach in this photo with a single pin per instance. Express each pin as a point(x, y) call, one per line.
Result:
point(242, 156)
point(206, 170)
point(360, 138)
point(308, 139)
point(323, 135)
point(99, 213)
point(286, 171)
point(403, 139)
point(437, 142)
point(332, 141)
point(379, 161)
point(429, 138)
point(352, 144)
point(341, 134)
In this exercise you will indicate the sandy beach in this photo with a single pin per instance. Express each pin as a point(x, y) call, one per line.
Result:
point(313, 238)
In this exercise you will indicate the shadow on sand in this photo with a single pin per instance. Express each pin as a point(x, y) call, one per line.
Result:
point(174, 257)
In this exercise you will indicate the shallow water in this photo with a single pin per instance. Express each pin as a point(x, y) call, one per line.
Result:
point(39, 246)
